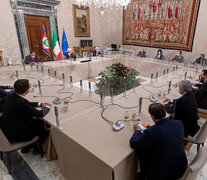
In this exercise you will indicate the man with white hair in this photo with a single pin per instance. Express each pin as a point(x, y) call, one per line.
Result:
point(69, 54)
point(185, 108)
point(97, 52)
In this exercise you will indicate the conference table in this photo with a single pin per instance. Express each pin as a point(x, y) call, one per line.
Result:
point(87, 146)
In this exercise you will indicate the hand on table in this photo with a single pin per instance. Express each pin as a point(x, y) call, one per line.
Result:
point(46, 104)
point(167, 100)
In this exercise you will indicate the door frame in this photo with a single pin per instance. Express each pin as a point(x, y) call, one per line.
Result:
point(32, 7)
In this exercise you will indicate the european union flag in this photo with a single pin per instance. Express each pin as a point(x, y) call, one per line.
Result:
point(64, 43)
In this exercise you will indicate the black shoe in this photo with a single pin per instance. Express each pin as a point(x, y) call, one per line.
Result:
point(25, 149)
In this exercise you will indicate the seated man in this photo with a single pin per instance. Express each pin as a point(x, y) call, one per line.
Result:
point(185, 108)
point(178, 58)
point(201, 60)
point(97, 52)
point(3, 95)
point(160, 147)
point(69, 54)
point(18, 122)
point(159, 55)
point(201, 93)
point(201, 81)
point(32, 59)
point(142, 53)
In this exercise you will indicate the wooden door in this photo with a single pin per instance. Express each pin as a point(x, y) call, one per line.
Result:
point(34, 27)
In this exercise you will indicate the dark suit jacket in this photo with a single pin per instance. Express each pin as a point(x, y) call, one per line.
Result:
point(202, 62)
point(179, 59)
point(68, 56)
point(17, 119)
point(29, 59)
point(160, 150)
point(186, 110)
point(98, 53)
point(201, 95)
point(3, 95)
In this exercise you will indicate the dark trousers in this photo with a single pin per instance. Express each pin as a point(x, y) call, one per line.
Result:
point(40, 128)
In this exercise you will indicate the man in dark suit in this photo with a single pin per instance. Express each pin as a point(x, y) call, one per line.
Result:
point(32, 59)
point(69, 54)
point(97, 52)
point(3, 95)
point(186, 109)
point(178, 58)
point(160, 147)
point(201, 93)
point(201, 60)
point(18, 123)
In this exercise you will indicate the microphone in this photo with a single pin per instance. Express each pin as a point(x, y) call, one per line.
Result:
point(17, 75)
point(39, 86)
point(151, 76)
point(185, 75)
point(111, 93)
point(42, 69)
point(81, 86)
point(37, 67)
point(169, 87)
point(48, 71)
point(164, 73)
point(55, 73)
point(101, 100)
point(63, 76)
point(156, 75)
point(89, 86)
point(140, 105)
point(57, 124)
point(71, 81)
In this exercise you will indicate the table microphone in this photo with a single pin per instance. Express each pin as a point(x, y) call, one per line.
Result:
point(42, 69)
point(71, 81)
point(156, 75)
point(55, 73)
point(89, 86)
point(39, 86)
point(48, 71)
point(140, 105)
point(57, 124)
point(151, 76)
point(81, 86)
point(169, 87)
point(101, 100)
point(17, 75)
point(37, 67)
point(185, 75)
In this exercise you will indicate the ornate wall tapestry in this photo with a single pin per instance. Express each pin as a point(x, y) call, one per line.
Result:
point(160, 23)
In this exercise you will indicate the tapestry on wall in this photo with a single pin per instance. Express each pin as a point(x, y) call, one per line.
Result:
point(160, 23)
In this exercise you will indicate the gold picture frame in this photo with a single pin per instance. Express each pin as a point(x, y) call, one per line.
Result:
point(81, 19)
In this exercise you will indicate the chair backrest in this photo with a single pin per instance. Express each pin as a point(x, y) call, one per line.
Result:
point(202, 134)
point(195, 166)
point(5, 145)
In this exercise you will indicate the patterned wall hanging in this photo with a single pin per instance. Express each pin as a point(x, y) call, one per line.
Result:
point(160, 23)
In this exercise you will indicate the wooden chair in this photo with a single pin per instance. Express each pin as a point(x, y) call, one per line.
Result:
point(7, 147)
point(202, 113)
point(195, 166)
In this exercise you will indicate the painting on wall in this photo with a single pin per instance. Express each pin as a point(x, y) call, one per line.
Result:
point(160, 23)
point(81, 19)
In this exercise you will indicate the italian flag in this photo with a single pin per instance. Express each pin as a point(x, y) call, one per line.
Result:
point(56, 47)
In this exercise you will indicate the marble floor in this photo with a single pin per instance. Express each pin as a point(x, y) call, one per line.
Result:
point(49, 170)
